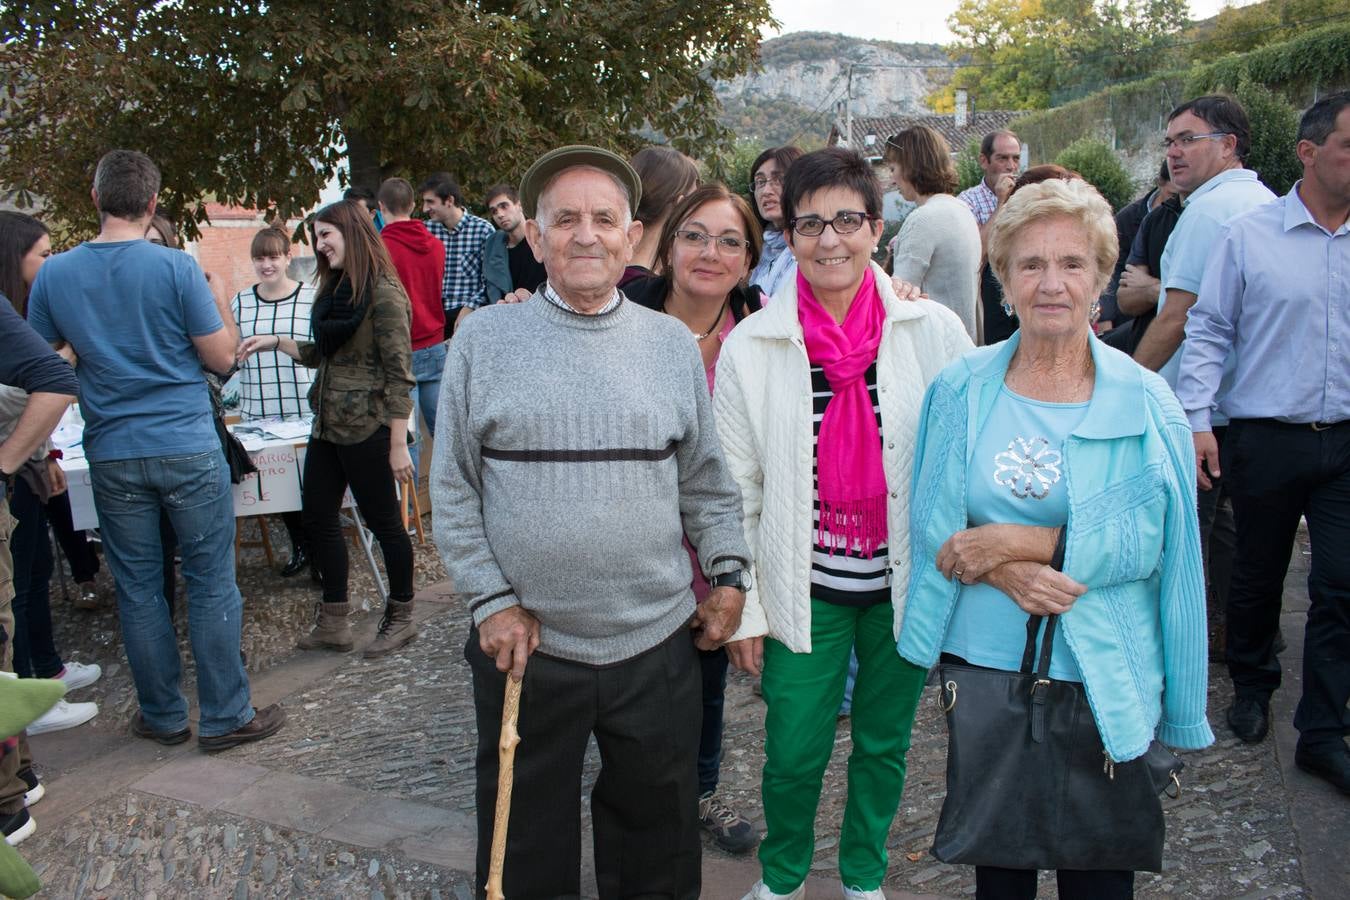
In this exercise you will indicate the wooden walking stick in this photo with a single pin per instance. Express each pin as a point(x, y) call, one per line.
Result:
point(506, 761)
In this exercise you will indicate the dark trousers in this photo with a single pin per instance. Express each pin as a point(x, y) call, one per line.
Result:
point(1020, 884)
point(295, 529)
point(329, 469)
point(644, 713)
point(35, 653)
point(1218, 533)
point(1275, 473)
point(713, 666)
point(76, 545)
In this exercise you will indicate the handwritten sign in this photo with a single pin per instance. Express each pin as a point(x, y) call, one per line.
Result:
point(275, 487)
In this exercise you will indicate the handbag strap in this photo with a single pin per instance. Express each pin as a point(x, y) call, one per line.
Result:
point(1029, 652)
point(1042, 667)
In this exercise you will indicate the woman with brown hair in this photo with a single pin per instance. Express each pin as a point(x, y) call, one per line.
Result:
point(706, 250)
point(361, 398)
point(668, 176)
point(938, 247)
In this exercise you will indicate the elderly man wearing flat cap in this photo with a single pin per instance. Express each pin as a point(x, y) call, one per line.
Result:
point(576, 446)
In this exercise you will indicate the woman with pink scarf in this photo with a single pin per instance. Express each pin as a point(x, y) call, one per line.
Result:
point(817, 404)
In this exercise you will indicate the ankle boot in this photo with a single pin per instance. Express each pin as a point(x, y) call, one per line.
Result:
point(331, 629)
point(396, 629)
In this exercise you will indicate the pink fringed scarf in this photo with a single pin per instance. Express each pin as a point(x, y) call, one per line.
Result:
point(851, 480)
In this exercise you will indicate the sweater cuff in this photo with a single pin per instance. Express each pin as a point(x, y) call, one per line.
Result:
point(1186, 737)
point(492, 604)
point(721, 565)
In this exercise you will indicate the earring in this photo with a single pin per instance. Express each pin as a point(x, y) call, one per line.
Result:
point(1007, 309)
point(1095, 311)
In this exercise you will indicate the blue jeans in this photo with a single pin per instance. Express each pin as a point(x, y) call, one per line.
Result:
point(427, 365)
point(194, 490)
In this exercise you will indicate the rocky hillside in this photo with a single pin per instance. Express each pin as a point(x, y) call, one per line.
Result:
point(805, 73)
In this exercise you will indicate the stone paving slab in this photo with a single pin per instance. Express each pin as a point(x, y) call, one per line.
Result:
point(379, 821)
point(200, 779)
point(301, 804)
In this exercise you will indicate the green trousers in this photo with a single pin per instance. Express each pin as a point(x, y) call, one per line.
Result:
point(803, 692)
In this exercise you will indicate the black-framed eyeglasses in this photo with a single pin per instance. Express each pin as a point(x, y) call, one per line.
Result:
point(844, 222)
point(760, 182)
point(726, 244)
point(1188, 140)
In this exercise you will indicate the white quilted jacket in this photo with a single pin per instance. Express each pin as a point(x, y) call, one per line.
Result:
point(762, 402)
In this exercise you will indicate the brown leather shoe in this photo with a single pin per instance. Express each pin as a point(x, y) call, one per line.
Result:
point(167, 738)
point(265, 723)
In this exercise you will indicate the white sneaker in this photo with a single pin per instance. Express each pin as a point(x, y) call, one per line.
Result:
point(36, 790)
point(77, 675)
point(853, 893)
point(761, 892)
point(62, 716)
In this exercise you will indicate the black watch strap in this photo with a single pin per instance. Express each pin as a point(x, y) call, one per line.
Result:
point(736, 578)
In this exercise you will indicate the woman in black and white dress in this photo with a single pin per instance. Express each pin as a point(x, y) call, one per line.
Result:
point(271, 384)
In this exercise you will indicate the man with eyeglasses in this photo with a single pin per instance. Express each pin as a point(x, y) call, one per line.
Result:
point(1206, 142)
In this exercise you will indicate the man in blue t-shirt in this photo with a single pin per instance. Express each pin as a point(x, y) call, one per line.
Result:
point(143, 322)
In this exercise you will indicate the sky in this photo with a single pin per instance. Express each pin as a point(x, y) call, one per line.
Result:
point(889, 20)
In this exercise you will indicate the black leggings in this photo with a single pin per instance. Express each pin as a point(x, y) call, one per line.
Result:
point(1020, 884)
point(329, 469)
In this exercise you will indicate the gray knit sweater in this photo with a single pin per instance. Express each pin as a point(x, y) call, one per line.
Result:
point(571, 453)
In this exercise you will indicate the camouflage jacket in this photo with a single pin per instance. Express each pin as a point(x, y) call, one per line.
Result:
point(369, 381)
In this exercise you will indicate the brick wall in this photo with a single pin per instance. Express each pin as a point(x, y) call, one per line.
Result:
point(223, 248)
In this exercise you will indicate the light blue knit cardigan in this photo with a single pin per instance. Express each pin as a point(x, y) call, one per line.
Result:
point(1138, 634)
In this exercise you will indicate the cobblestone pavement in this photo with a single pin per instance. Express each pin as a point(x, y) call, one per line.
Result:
point(368, 792)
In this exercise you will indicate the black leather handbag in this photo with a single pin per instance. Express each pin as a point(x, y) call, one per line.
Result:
point(1029, 784)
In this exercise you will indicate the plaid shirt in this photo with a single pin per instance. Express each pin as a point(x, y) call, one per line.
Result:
point(981, 200)
point(552, 297)
point(463, 281)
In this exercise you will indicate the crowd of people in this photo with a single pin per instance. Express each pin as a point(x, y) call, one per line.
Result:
point(678, 430)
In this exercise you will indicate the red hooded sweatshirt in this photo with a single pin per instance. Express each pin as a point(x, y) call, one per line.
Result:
point(420, 260)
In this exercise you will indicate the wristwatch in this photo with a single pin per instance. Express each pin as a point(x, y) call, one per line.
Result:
point(736, 578)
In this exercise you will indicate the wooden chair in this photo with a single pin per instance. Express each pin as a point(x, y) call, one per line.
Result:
point(265, 543)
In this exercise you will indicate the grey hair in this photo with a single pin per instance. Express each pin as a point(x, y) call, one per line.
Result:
point(1077, 200)
point(547, 189)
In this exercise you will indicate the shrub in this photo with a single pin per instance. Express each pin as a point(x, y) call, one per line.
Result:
point(1098, 165)
point(968, 171)
point(1274, 134)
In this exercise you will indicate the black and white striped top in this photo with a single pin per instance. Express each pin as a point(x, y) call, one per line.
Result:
point(846, 578)
point(271, 384)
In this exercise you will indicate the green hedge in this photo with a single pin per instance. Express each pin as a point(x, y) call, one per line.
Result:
point(1100, 167)
point(1134, 114)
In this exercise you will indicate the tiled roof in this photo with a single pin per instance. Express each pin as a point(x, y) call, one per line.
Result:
point(978, 124)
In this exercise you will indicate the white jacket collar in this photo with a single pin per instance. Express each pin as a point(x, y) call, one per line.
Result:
point(778, 319)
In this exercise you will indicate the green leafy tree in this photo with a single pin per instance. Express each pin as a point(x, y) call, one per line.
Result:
point(1239, 29)
point(968, 171)
point(1099, 167)
point(733, 168)
point(258, 103)
point(1031, 54)
point(1274, 134)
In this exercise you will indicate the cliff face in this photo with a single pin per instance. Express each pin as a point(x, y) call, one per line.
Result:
point(806, 73)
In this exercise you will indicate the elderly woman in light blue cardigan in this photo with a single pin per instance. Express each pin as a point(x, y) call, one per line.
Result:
point(1048, 435)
